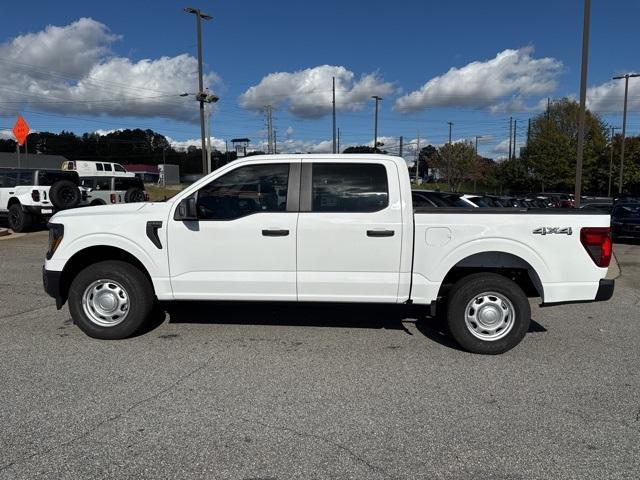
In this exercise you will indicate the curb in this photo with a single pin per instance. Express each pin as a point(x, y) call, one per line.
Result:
point(4, 232)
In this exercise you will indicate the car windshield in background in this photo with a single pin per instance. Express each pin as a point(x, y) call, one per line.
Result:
point(627, 211)
point(47, 178)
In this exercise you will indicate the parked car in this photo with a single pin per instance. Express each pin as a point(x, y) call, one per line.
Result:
point(28, 195)
point(432, 198)
point(324, 228)
point(109, 190)
point(475, 200)
point(602, 206)
point(86, 168)
point(625, 220)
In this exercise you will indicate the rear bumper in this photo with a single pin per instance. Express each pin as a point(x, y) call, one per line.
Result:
point(51, 283)
point(605, 290)
point(46, 211)
point(604, 293)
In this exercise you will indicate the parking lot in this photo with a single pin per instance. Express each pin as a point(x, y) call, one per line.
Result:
point(233, 391)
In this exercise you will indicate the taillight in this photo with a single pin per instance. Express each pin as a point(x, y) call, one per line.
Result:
point(113, 198)
point(597, 243)
point(35, 195)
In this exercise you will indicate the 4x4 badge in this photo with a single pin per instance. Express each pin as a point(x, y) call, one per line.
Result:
point(553, 230)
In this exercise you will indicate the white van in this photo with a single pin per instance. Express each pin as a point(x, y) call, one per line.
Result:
point(86, 168)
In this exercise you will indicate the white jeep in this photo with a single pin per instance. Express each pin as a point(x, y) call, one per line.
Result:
point(110, 190)
point(31, 195)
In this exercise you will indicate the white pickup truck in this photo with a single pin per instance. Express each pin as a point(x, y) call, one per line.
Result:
point(324, 228)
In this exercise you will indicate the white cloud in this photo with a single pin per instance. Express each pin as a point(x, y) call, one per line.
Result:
point(609, 96)
point(6, 134)
point(307, 93)
point(216, 143)
point(501, 147)
point(289, 132)
point(485, 84)
point(71, 69)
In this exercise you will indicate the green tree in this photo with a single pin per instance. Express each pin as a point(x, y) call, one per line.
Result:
point(455, 162)
point(550, 154)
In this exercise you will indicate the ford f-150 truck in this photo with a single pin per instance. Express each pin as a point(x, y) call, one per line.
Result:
point(324, 228)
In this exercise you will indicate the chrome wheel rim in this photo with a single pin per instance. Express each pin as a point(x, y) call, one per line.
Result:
point(489, 316)
point(106, 303)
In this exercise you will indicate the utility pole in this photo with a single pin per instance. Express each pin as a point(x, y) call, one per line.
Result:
point(510, 135)
point(583, 100)
point(338, 140)
point(275, 142)
point(418, 158)
point(401, 144)
point(208, 137)
point(269, 130)
point(375, 123)
point(474, 177)
point(334, 114)
point(201, 95)
point(477, 137)
point(613, 129)
point(226, 149)
point(528, 131)
point(515, 129)
point(624, 122)
point(450, 127)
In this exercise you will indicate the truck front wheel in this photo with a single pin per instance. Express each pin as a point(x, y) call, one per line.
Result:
point(110, 300)
point(487, 313)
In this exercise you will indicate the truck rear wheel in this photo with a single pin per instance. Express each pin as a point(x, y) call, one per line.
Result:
point(110, 300)
point(487, 313)
point(19, 220)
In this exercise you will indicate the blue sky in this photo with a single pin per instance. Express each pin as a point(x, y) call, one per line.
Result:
point(524, 52)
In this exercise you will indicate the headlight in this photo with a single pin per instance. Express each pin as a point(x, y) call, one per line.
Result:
point(56, 232)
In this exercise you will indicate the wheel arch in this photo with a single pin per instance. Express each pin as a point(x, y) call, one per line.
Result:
point(94, 254)
point(506, 264)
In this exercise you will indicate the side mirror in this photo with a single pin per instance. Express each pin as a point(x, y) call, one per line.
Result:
point(186, 210)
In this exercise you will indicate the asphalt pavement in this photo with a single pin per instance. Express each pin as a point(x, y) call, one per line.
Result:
point(236, 391)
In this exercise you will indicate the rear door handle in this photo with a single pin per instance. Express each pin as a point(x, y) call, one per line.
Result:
point(275, 233)
point(380, 233)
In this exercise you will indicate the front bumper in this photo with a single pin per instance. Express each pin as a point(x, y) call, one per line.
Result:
point(51, 282)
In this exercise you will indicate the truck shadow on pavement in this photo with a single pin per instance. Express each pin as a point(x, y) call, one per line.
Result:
point(389, 317)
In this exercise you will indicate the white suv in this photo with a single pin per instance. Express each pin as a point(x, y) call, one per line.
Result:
point(110, 190)
point(29, 195)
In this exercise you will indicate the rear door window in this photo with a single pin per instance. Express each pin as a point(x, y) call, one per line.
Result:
point(99, 167)
point(349, 187)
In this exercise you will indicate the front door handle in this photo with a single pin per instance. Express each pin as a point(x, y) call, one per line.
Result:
point(380, 233)
point(275, 233)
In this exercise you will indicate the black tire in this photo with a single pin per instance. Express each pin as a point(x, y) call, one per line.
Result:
point(139, 291)
point(511, 329)
point(134, 195)
point(19, 220)
point(64, 194)
point(96, 203)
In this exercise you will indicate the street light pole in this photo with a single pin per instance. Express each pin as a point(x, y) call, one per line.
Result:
point(583, 101)
point(624, 121)
point(375, 124)
point(613, 129)
point(475, 179)
point(201, 94)
point(450, 127)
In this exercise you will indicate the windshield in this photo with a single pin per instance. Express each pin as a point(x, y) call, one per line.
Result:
point(627, 211)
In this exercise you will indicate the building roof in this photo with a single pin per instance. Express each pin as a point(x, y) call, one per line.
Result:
point(10, 159)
